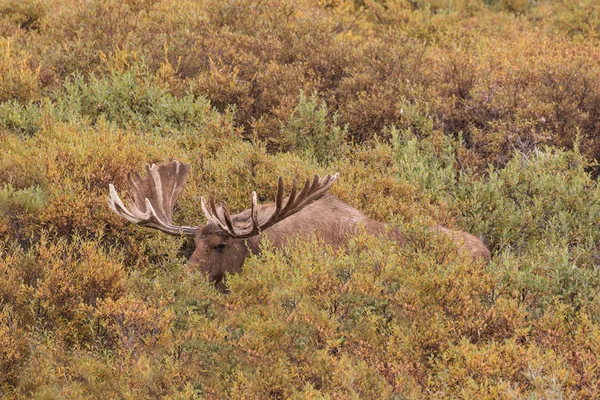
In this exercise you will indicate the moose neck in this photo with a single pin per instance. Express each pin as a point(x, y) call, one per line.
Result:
point(253, 244)
point(333, 220)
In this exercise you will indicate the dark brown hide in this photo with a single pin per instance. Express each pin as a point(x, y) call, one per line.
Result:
point(333, 220)
point(225, 241)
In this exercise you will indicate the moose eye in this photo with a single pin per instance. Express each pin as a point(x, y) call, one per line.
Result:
point(220, 247)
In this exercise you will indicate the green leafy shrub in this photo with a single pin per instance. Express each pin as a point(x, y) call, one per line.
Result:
point(476, 115)
point(132, 99)
point(418, 319)
point(312, 131)
point(25, 120)
point(257, 57)
point(30, 199)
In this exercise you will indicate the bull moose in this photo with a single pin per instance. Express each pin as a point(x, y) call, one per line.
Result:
point(225, 241)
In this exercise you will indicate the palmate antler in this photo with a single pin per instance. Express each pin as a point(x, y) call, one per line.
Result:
point(294, 203)
point(154, 197)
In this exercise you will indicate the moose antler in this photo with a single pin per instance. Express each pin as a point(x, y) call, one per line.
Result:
point(154, 197)
point(294, 203)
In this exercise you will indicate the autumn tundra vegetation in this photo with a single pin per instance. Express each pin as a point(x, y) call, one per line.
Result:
point(481, 116)
point(224, 243)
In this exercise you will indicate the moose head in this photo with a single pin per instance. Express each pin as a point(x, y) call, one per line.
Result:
point(226, 240)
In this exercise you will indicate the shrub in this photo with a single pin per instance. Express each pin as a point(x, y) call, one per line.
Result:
point(27, 15)
point(133, 98)
point(18, 78)
point(469, 114)
point(312, 131)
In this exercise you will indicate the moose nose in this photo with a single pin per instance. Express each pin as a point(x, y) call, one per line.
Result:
point(215, 277)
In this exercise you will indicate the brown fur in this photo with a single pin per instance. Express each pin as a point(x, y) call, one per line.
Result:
point(223, 244)
point(332, 219)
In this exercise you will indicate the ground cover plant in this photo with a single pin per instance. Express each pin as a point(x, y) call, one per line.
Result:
point(472, 114)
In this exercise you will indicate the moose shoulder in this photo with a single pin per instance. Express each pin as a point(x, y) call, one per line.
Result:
point(226, 240)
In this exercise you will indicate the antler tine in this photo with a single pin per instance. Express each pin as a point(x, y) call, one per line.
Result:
point(279, 197)
point(292, 197)
point(279, 201)
point(323, 186)
point(308, 188)
point(222, 220)
point(316, 182)
point(211, 213)
point(214, 212)
point(254, 210)
point(227, 217)
point(311, 191)
point(154, 197)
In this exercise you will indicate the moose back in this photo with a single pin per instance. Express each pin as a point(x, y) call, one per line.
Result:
point(226, 240)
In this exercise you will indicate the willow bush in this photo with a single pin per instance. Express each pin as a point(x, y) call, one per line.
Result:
point(476, 115)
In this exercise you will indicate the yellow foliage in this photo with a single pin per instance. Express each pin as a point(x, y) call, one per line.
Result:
point(19, 80)
point(452, 112)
